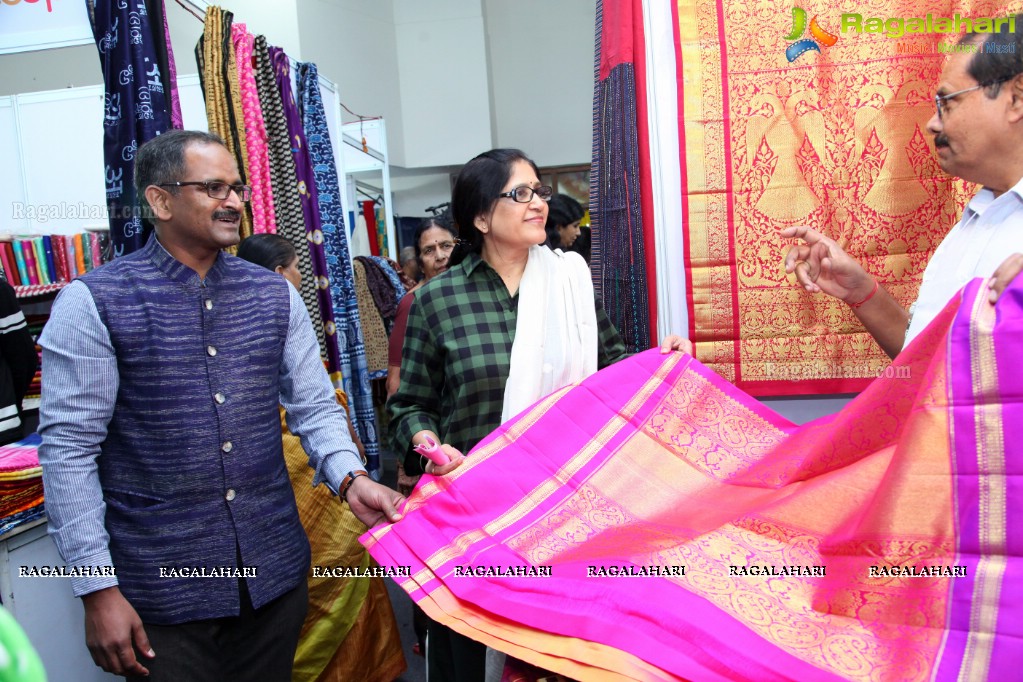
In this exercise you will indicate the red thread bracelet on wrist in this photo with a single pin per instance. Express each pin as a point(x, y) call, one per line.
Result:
point(869, 296)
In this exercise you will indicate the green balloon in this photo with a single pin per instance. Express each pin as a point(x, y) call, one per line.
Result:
point(19, 662)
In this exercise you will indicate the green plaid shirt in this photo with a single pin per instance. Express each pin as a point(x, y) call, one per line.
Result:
point(456, 358)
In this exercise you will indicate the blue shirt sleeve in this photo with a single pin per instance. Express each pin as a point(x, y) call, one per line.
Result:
point(79, 389)
point(313, 412)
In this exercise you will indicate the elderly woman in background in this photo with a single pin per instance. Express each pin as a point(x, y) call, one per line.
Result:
point(490, 338)
point(433, 242)
point(350, 625)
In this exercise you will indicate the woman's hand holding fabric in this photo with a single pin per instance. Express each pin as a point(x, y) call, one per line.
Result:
point(455, 459)
point(675, 342)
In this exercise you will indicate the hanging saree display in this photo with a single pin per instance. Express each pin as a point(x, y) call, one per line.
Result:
point(317, 295)
point(747, 127)
point(619, 243)
point(218, 74)
point(283, 183)
point(261, 204)
point(337, 265)
point(165, 60)
point(656, 523)
point(374, 329)
point(834, 137)
point(369, 213)
point(381, 223)
point(136, 108)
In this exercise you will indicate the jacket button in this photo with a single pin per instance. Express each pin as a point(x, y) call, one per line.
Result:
point(211, 351)
point(227, 446)
point(230, 495)
point(220, 398)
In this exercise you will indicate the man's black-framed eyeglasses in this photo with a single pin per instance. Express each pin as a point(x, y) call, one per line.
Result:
point(524, 194)
point(215, 190)
point(940, 100)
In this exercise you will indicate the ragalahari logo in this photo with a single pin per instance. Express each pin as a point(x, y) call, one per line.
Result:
point(820, 36)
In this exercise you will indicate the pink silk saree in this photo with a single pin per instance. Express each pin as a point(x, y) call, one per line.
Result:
point(657, 462)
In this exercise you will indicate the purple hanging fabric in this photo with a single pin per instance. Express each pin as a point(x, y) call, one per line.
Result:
point(171, 76)
point(136, 109)
point(310, 204)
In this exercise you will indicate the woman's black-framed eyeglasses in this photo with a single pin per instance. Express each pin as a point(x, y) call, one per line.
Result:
point(524, 194)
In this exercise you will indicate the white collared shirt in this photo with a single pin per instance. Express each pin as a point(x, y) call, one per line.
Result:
point(990, 230)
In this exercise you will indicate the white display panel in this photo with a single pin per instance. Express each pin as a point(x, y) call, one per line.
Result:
point(12, 188)
point(61, 139)
point(52, 178)
point(35, 25)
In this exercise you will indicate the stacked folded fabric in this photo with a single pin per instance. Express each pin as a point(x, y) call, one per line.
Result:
point(21, 483)
point(35, 328)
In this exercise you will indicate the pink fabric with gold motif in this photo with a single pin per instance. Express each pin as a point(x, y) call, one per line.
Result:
point(263, 217)
point(655, 523)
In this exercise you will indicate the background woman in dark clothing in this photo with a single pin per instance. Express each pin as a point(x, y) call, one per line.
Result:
point(18, 362)
point(564, 214)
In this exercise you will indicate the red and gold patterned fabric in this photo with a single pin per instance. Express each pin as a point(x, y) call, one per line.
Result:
point(835, 139)
point(765, 115)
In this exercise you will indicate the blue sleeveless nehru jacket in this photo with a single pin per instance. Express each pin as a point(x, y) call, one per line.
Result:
point(192, 468)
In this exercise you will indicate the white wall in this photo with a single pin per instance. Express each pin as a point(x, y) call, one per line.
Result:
point(447, 74)
point(443, 79)
point(414, 190)
point(352, 42)
point(541, 77)
point(64, 67)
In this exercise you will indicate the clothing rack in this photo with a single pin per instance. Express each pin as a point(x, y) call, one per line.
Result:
point(378, 199)
point(197, 8)
point(360, 162)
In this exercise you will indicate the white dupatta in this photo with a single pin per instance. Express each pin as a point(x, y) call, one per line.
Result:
point(556, 331)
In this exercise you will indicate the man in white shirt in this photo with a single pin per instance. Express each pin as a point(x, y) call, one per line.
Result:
point(978, 136)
